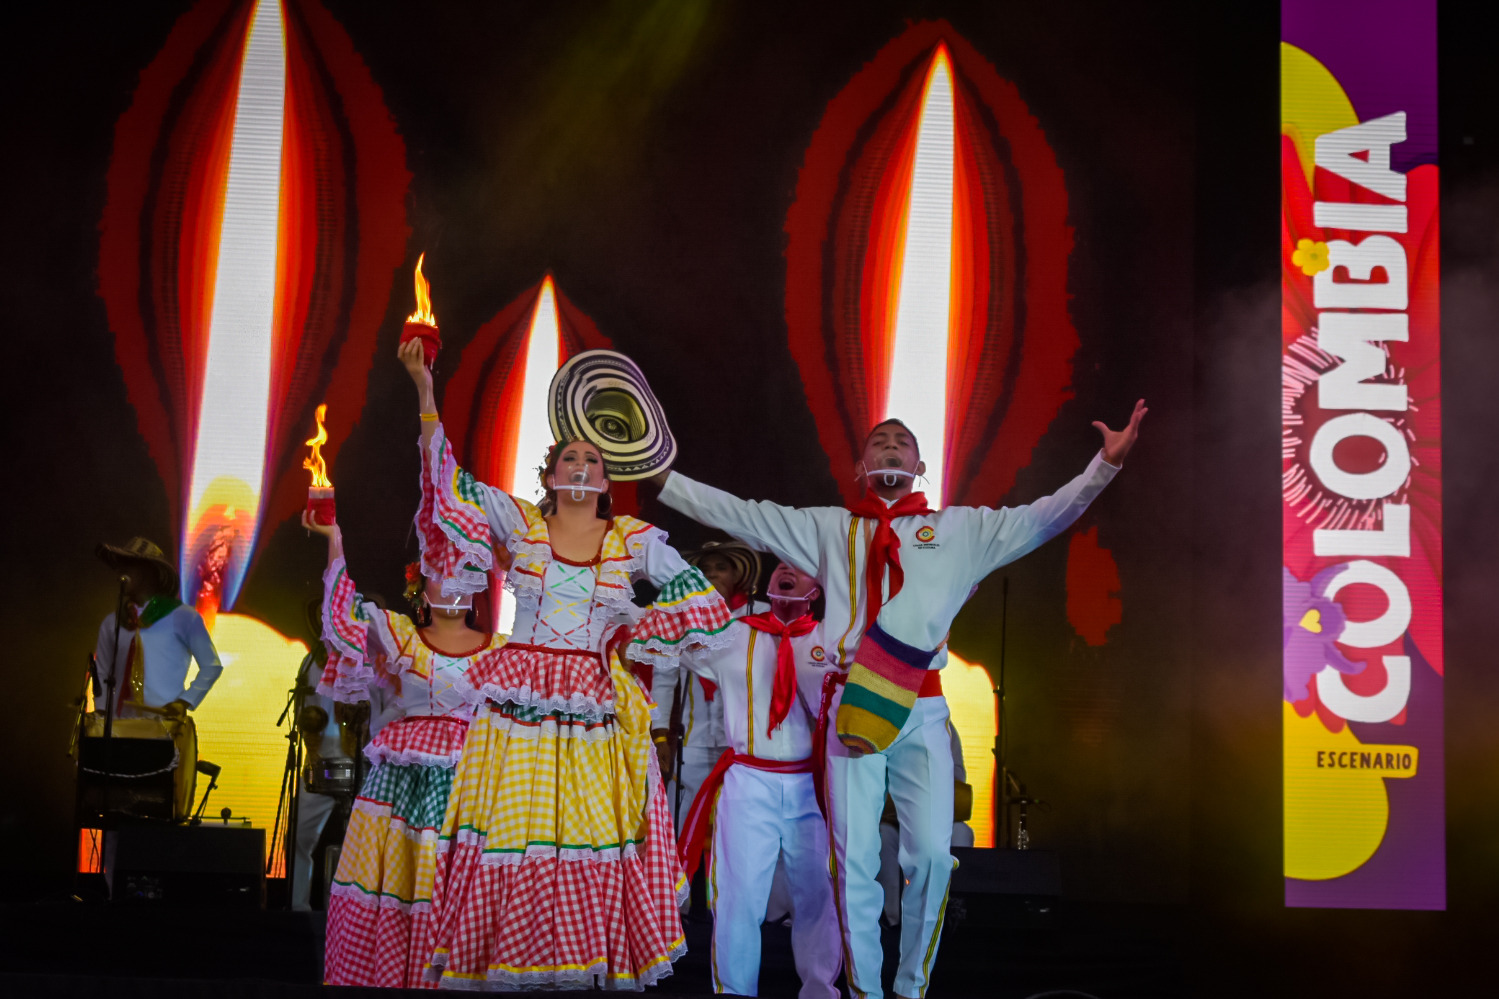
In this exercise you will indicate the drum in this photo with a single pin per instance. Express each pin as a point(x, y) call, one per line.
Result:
point(335, 776)
point(154, 762)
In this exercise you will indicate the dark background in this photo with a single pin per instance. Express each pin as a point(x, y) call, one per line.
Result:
point(646, 154)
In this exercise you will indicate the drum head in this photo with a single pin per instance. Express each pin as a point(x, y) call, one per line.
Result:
point(602, 397)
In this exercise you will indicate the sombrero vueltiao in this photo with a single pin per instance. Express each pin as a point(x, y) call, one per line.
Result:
point(601, 396)
point(140, 550)
point(744, 559)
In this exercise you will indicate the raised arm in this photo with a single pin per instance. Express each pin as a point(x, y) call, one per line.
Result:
point(791, 534)
point(1000, 536)
point(461, 521)
point(346, 632)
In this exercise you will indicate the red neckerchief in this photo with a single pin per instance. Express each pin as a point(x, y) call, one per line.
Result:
point(884, 550)
point(783, 691)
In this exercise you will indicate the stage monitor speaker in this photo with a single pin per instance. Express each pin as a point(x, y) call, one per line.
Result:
point(1004, 887)
point(210, 865)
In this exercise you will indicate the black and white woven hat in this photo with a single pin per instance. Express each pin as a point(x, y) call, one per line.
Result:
point(602, 397)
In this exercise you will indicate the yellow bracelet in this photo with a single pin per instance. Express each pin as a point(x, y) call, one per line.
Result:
point(429, 417)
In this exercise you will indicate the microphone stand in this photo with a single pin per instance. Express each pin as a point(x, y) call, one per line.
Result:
point(109, 715)
point(1001, 804)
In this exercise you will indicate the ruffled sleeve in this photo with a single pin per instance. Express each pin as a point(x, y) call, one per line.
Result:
point(687, 614)
point(461, 522)
point(366, 645)
point(347, 675)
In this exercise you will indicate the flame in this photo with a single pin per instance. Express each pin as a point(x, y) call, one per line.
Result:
point(314, 462)
point(423, 313)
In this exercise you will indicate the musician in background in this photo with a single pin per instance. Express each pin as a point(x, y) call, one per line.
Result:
point(158, 636)
point(149, 653)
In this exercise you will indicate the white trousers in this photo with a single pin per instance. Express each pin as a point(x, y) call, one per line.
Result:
point(762, 818)
point(312, 814)
point(917, 770)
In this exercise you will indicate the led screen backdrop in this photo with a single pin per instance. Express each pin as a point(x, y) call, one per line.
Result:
point(1361, 457)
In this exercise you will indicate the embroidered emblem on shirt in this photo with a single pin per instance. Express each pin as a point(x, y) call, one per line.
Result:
point(925, 538)
point(818, 655)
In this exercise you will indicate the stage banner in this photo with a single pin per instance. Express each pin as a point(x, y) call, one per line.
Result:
point(1361, 456)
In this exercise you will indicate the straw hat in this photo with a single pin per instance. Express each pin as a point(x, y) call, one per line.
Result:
point(138, 550)
point(744, 559)
point(601, 396)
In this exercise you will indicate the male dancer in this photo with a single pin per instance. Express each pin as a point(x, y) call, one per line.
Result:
point(761, 797)
point(895, 575)
point(689, 704)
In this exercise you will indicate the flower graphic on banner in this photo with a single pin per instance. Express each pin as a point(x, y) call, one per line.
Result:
point(1310, 627)
point(1310, 256)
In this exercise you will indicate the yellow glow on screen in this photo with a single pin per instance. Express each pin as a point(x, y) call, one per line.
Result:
point(918, 361)
point(542, 352)
point(237, 720)
point(970, 699)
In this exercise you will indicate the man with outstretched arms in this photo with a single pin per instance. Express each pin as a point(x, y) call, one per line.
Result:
point(895, 574)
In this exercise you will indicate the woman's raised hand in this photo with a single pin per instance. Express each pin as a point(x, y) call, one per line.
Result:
point(415, 361)
point(329, 531)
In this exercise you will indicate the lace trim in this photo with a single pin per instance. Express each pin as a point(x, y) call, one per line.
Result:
point(411, 757)
point(651, 650)
point(595, 976)
point(578, 705)
point(357, 894)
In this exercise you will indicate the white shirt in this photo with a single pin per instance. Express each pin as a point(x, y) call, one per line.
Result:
point(167, 645)
point(944, 554)
point(702, 719)
point(745, 672)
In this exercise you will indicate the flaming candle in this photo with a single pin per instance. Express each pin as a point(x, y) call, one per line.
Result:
point(422, 323)
point(320, 493)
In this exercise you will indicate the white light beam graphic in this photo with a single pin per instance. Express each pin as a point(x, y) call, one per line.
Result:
point(229, 456)
point(918, 362)
point(533, 434)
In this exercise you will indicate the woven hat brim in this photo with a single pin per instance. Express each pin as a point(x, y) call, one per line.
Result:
point(631, 434)
point(113, 555)
point(744, 558)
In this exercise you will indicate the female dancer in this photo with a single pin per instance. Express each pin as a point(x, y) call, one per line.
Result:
point(561, 870)
point(379, 916)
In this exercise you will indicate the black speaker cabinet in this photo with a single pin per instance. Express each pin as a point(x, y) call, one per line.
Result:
point(1004, 887)
point(208, 865)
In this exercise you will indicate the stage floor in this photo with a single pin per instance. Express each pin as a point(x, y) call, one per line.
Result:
point(66, 948)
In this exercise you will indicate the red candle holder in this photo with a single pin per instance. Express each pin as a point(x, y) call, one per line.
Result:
point(320, 505)
point(431, 342)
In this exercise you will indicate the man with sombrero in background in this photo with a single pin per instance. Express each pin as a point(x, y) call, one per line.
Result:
point(147, 648)
point(687, 721)
point(158, 635)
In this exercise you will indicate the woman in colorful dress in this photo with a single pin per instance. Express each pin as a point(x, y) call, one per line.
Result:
point(380, 912)
point(561, 869)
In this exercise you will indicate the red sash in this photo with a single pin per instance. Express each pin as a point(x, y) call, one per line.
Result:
point(694, 838)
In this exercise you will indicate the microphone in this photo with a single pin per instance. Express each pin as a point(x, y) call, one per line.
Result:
point(209, 770)
point(889, 476)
